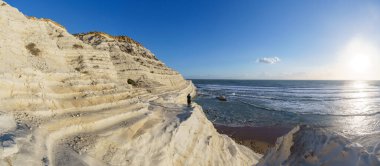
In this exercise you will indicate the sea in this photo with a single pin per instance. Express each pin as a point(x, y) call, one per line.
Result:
point(348, 108)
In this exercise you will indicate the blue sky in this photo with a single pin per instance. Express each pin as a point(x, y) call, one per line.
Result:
point(312, 39)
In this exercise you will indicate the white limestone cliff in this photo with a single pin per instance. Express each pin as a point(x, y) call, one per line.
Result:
point(97, 99)
point(309, 146)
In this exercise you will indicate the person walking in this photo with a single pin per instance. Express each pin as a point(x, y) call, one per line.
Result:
point(188, 100)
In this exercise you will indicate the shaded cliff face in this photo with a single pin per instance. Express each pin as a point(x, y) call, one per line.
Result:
point(96, 99)
point(308, 146)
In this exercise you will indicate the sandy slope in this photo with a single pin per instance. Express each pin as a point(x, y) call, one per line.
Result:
point(66, 100)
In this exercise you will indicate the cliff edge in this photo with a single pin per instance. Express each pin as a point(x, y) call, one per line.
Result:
point(97, 99)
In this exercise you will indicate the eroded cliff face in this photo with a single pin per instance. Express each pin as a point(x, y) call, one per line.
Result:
point(132, 60)
point(97, 99)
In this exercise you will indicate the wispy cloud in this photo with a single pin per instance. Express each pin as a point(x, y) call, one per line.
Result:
point(269, 60)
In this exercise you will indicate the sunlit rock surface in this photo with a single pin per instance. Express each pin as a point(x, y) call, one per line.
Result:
point(97, 99)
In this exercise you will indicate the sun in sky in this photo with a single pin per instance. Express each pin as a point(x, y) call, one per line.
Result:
point(359, 54)
point(359, 63)
point(360, 57)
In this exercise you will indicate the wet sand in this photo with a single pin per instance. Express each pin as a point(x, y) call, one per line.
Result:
point(259, 139)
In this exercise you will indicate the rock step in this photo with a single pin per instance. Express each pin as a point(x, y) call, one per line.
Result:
point(87, 125)
point(28, 101)
point(91, 108)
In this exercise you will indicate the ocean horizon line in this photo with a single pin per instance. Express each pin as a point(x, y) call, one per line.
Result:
point(233, 79)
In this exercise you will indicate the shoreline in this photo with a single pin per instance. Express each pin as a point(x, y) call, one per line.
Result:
point(259, 139)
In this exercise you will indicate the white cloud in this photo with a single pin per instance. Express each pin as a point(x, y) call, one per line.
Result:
point(268, 60)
